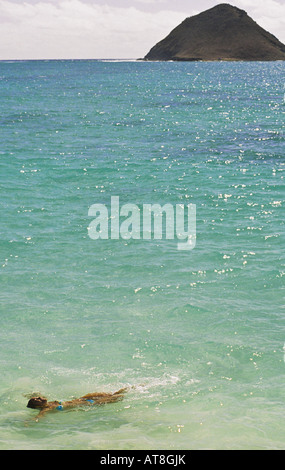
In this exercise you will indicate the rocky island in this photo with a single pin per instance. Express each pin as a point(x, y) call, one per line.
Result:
point(223, 32)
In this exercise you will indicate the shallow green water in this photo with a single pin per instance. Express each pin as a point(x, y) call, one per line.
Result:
point(199, 334)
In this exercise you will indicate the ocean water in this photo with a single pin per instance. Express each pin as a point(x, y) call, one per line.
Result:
point(198, 335)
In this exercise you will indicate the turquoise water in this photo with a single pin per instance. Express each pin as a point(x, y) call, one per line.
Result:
point(199, 334)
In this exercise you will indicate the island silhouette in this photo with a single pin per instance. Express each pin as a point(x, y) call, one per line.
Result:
point(223, 32)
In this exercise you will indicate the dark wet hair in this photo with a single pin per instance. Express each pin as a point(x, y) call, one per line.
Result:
point(37, 402)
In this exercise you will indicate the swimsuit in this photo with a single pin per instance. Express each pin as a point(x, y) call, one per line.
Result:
point(60, 407)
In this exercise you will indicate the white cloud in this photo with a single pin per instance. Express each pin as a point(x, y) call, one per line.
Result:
point(74, 29)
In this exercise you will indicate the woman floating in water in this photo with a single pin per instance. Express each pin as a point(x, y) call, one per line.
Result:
point(40, 403)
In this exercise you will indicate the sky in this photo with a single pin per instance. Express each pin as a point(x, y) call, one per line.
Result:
point(110, 29)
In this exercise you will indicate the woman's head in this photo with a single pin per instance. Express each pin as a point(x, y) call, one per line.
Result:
point(37, 402)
